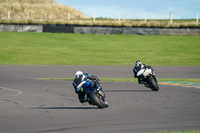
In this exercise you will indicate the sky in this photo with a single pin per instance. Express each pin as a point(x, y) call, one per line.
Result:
point(136, 9)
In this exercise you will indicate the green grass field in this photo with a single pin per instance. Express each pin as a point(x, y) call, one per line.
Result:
point(80, 49)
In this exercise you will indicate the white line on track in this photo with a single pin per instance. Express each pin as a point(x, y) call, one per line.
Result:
point(18, 92)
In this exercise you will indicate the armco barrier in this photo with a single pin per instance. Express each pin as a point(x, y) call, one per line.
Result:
point(21, 28)
point(1, 27)
point(97, 30)
point(82, 29)
point(58, 28)
point(179, 31)
point(141, 31)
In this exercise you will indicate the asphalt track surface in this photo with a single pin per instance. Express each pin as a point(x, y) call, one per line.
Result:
point(29, 105)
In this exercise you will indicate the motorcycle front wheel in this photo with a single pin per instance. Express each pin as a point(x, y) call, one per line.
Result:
point(153, 84)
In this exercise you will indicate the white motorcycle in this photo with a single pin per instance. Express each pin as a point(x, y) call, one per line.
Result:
point(148, 78)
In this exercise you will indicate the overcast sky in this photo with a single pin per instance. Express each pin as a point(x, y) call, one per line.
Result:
point(136, 9)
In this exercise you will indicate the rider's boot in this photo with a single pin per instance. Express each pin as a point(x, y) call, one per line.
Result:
point(106, 104)
point(89, 102)
point(85, 98)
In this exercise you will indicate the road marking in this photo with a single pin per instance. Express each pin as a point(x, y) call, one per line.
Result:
point(183, 84)
point(18, 92)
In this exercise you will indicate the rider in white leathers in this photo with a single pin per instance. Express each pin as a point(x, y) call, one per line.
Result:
point(138, 67)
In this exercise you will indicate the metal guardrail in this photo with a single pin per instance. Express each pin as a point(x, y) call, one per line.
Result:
point(80, 29)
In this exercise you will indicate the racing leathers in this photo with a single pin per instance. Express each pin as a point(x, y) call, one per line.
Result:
point(136, 69)
point(80, 80)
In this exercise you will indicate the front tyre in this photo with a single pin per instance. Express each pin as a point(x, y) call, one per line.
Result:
point(96, 100)
point(153, 84)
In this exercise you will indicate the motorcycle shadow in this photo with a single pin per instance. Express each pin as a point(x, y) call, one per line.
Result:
point(66, 108)
point(128, 91)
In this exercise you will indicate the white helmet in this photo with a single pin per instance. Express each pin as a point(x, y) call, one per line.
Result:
point(78, 73)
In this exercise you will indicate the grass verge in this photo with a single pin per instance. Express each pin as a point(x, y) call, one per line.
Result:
point(80, 49)
point(130, 80)
point(194, 131)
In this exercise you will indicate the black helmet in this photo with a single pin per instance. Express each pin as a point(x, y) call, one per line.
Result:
point(138, 63)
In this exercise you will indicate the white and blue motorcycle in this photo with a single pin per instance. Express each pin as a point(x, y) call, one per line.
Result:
point(149, 79)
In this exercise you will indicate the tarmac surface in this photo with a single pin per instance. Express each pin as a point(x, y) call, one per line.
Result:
point(29, 105)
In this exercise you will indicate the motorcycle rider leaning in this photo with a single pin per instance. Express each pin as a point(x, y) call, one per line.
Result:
point(138, 67)
point(80, 79)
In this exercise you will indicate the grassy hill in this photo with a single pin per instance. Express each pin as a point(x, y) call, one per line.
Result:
point(50, 12)
point(36, 11)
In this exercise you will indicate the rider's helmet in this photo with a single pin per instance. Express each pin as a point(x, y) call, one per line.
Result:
point(138, 63)
point(78, 73)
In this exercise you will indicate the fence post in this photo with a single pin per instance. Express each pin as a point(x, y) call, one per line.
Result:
point(94, 18)
point(28, 15)
point(45, 16)
point(119, 18)
point(68, 16)
point(197, 18)
point(8, 14)
point(114, 15)
point(171, 21)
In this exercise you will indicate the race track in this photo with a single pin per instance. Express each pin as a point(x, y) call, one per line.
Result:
point(29, 105)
